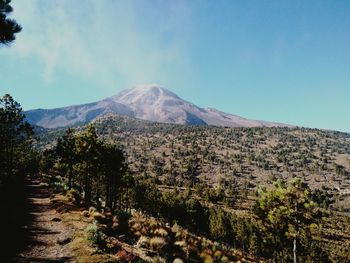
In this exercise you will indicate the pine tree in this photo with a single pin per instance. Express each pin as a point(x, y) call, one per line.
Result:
point(114, 167)
point(14, 131)
point(288, 214)
point(8, 27)
point(66, 151)
point(86, 148)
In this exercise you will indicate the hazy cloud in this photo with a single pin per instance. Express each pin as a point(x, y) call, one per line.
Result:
point(110, 42)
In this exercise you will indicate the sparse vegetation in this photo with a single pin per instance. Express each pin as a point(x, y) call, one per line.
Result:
point(94, 234)
point(164, 193)
point(182, 175)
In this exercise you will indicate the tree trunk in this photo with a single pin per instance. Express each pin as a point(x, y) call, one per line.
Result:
point(69, 177)
point(296, 235)
point(87, 189)
point(295, 250)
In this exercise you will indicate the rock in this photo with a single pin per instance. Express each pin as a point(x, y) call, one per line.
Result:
point(64, 241)
point(56, 219)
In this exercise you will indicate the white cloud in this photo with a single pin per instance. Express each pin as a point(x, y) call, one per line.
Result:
point(108, 42)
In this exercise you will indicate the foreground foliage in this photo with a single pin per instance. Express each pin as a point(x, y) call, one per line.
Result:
point(291, 221)
point(8, 26)
point(16, 155)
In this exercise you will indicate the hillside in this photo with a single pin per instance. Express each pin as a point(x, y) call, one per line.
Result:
point(251, 157)
point(147, 102)
point(127, 189)
point(227, 169)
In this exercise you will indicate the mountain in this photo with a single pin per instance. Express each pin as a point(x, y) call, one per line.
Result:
point(148, 102)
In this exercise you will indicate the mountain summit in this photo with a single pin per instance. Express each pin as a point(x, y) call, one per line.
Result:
point(148, 102)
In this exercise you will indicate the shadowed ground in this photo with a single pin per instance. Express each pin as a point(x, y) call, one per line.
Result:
point(31, 230)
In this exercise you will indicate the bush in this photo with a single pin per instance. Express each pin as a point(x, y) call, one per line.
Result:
point(157, 243)
point(143, 242)
point(94, 235)
point(74, 195)
point(122, 219)
point(124, 256)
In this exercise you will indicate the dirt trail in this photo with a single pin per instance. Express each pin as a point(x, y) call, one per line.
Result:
point(49, 235)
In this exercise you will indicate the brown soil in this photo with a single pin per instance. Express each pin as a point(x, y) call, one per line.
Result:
point(48, 236)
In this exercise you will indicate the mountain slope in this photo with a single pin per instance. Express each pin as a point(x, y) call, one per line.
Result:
point(66, 116)
point(147, 102)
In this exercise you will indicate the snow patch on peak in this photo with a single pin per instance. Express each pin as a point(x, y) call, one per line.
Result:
point(148, 86)
point(155, 89)
point(148, 94)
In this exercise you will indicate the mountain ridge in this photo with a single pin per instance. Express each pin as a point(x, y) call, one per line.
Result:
point(147, 102)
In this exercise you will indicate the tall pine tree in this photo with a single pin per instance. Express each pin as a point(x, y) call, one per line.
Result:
point(8, 27)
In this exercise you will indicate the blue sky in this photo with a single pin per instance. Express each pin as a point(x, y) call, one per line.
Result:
point(284, 61)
